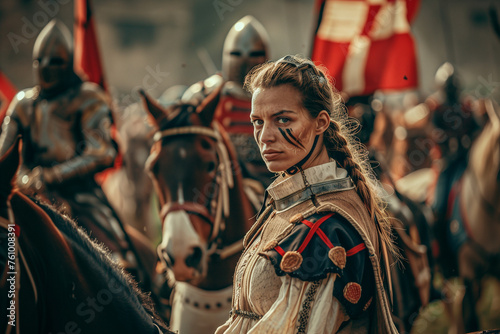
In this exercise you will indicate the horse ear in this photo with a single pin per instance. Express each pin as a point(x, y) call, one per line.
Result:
point(157, 112)
point(492, 113)
point(206, 110)
point(9, 162)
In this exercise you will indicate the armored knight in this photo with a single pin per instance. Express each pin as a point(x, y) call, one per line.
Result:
point(65, 125)
point(453, 120)
point(246, 45)
point(451, 114)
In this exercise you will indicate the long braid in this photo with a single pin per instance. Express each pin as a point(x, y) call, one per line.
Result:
point(338, 148)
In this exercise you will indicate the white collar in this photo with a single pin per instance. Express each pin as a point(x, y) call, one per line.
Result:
point(283, 187)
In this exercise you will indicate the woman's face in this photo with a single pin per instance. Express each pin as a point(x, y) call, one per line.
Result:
point(283, 128)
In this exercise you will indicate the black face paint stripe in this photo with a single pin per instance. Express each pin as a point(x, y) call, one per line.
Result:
point(289, 131)
point(294, 169)
point(283, 133)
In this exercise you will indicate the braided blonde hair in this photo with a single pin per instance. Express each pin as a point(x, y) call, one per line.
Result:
point(318, 94)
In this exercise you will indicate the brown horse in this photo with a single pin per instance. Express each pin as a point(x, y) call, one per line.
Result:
point(204, 209)
point(54, 279)
point(411, 279)
point(473, 221)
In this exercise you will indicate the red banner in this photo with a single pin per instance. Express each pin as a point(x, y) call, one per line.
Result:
point(86, 54)
point(367, 45)
point(88, 63)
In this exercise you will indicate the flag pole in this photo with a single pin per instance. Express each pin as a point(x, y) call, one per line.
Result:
point(448, 37)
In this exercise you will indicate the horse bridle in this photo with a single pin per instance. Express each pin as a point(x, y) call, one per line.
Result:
point(5, 224)
point(224, 181)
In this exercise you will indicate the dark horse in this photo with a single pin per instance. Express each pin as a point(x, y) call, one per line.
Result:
point(54, 278)
point(205, 210)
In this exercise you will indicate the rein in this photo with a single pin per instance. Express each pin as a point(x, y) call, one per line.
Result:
point(224, 181)
point(18, 253)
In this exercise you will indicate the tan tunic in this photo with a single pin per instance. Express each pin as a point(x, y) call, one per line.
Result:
point(285, 303)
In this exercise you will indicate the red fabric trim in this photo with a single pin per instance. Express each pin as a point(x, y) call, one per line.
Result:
point(233, 114)
point(313, 231)
point(279, 250)
point(307, 223)
point(355, 249)
point(325, 239)
point(320, 233)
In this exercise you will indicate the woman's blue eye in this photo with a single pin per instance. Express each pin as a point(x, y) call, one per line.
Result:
point(283, 120)
point(256, 122)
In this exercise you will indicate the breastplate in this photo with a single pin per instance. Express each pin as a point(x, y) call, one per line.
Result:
point(55, 131)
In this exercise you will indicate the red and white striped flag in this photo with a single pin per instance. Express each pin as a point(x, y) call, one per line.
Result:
point(367, 44)
point(7, 93)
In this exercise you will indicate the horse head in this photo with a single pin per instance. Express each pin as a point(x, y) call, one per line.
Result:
point(192, 166)
point(484, 160)
point(136, 140)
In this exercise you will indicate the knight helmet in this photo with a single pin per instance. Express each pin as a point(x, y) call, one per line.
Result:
point(53, 57)
point(448, 83)
point(246, 45)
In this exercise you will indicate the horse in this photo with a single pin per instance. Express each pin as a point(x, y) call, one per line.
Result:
point(472, 223)
point(55, 279)
point(206, 209)
point(129, 189)
point(410, 281)
point(411, 278)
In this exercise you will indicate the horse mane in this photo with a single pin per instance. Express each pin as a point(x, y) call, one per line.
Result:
point(93, 252)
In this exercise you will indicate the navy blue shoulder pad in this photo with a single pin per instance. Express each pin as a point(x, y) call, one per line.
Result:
point(327, 243)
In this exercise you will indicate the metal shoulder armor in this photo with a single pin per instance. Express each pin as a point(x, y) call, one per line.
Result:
point(196, 93)
point(17, 118)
